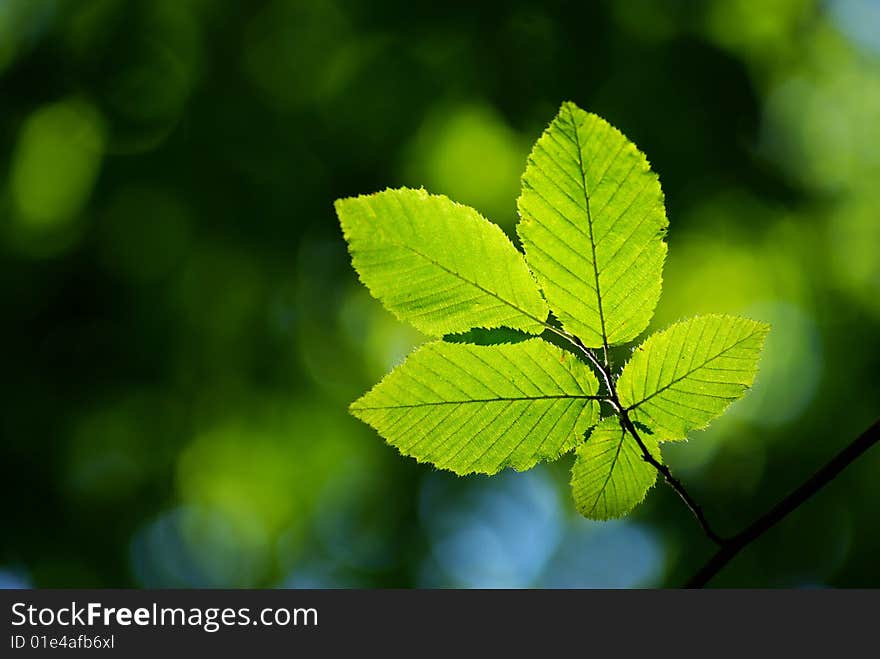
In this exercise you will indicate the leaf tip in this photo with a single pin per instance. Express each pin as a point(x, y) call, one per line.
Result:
point(356, 408)
point(340, 204)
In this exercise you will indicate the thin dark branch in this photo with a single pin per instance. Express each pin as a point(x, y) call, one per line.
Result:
point(628, 426)
point(781, 510)
point(728, 548)
point(591, 357)
point(671, 480)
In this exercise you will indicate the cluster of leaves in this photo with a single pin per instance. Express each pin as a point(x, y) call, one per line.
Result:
point(509, 384)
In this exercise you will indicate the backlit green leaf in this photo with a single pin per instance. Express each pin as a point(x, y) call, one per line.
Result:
point(685, 376)
point(490, 395)
point(592, 226)
point(610, 477)
point(470, 408)
point(439, 265)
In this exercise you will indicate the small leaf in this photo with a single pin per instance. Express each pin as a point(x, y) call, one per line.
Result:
point(439, 265)
point(682, 378)
point(470, 408)
point(610, 476)
point(592, 227)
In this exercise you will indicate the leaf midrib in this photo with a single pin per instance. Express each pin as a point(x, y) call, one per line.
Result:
point(481, 400)
point(584, 187)
point(610, 473)
point(513, 306)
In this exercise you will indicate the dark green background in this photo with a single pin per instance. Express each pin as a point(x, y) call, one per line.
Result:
point(182, 331)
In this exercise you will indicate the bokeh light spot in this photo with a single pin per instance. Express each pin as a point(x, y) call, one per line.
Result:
point(274, 468)
point(469, 153)
point(55, 164)
point(197, 547)
point(854, 244)
point(859, 20)
point(617, 554)
point(490, 533)
point(11, 579)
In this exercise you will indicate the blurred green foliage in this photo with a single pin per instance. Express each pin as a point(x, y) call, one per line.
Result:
point(182, 331)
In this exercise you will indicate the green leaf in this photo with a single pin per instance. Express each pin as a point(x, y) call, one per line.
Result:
point(439, 265)
point(610, 477)
point(470, 408)
point(592, 226)
point(685, 376)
